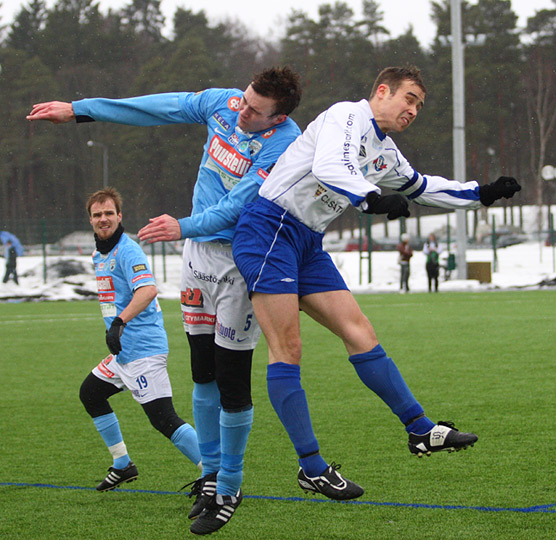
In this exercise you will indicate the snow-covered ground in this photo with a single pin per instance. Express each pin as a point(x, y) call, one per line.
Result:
point(527, 265)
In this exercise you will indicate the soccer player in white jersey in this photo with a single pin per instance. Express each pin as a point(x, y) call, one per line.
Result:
point(136, 339)
point(344, 157)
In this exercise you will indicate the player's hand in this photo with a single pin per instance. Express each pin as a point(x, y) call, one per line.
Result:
point(113, 335)
point(505, 187)
point(160, 229)
point(57, 112)
point(394, 206)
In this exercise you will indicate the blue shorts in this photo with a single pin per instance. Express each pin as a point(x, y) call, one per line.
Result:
point(277, 254)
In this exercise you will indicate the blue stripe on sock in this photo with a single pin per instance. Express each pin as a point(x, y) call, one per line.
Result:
point(109, 428)
point(185, 440)
point(234, 432)
point(206, 412)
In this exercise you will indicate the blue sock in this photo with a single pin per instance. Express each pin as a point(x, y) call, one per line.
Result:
point(234, 432)
point(206, 412)
point(379, 373)
point(185, 440)
point(109, 428)
point(290, 403)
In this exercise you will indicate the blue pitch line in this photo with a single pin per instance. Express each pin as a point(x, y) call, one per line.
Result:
point(544, 508)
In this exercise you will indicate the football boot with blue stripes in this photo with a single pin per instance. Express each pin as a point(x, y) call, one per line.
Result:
point(115, 477)
point(330, 483)
point(442, 437)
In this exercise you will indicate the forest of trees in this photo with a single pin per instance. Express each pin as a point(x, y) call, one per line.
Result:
point(72, 51)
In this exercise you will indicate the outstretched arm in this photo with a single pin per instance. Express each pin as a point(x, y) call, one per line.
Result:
point(57, 112)
point(160, 229)
point(212, 220)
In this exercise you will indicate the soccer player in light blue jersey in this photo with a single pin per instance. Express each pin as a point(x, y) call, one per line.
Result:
point(136, 339)
point(247, 131)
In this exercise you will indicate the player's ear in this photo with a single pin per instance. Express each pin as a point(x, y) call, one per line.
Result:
point(383, 90)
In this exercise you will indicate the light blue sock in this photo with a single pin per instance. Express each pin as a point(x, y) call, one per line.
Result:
point(109, 428)
point(234, 432)
point(206, 412)
point(185, 440)
point(379, 373)
point(290, 403)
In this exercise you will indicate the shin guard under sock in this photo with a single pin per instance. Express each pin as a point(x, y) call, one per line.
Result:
point(290, 403)
point(379, 373)
point(206, 412)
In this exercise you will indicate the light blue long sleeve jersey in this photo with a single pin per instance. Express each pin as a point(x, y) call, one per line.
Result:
point(234, 162)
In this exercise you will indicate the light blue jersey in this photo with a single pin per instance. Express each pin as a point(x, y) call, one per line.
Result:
point(234, 162)
point(119, 273)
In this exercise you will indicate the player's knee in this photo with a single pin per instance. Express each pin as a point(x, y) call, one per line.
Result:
point(233, 376)
point(162, 416)
point(202, 357)
point(359, 335)
point(293, 349)
point(94, 394)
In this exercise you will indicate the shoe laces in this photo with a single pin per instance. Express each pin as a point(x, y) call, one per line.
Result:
point(196, 489)
point(448, 425)
point(335, 466)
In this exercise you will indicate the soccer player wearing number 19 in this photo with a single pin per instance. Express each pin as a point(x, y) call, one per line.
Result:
point(136, 339)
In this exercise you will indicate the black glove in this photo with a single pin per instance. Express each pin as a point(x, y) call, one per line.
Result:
point(113, 335)
point(394, 206)
point(505, 187)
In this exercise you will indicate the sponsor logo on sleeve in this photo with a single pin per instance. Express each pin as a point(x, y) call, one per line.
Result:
point(348, 139)
point(139, 267)
point(141, 276)
point(262, 173)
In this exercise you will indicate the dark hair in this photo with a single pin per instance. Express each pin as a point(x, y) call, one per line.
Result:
point(393, 77)
point(102, 196)
point(280, 84)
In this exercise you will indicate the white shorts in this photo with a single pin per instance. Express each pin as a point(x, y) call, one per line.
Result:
point(214, 298)
point(147, 378)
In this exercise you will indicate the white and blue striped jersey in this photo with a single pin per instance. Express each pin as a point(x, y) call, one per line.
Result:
point(119, 273)
point(234, 163)
point(342, 156)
